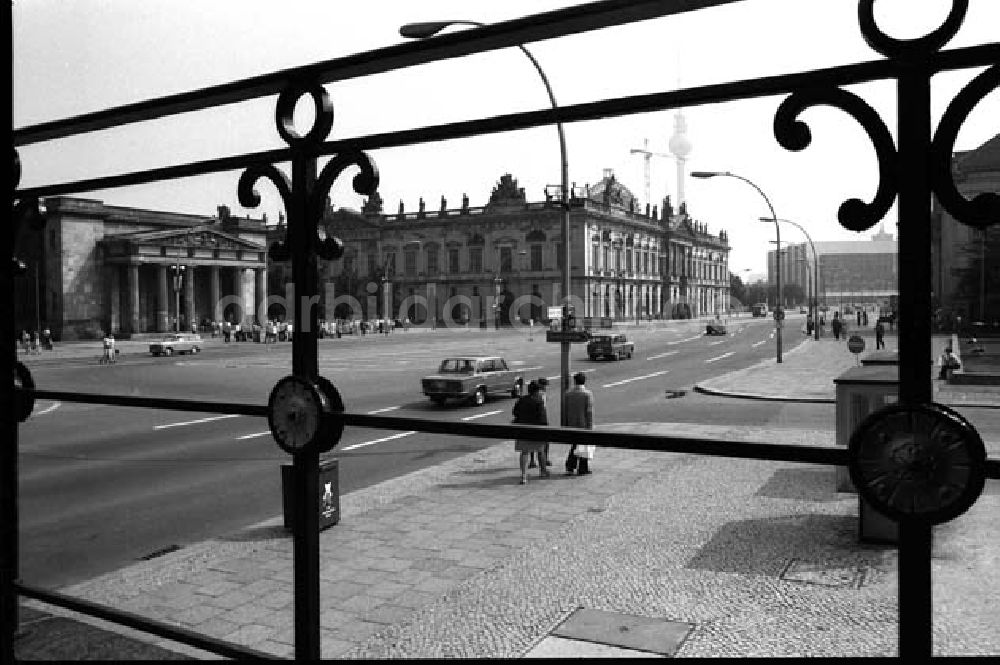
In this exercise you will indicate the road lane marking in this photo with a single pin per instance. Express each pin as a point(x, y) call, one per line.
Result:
point(55, 405)
point(686, 339)
point(483, 415)
point(383, 439)
point(635, 378)
point(388, 408)
point(253, 436)
point(200, 420)
point(758, 343)
point(662, 355)
point(528, 369)
point(724, 355)
point(718, 342)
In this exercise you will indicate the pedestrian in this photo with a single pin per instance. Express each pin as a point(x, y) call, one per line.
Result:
point(879, 335)
point(543, 386)
point(579, 413)
point(35, 344)
point(25, 340)
point(109, 349)
point(809, 324)
point(836, 325)
point(47, 339)
point(530, 410)
point(864, 318)
point(859, 317)
point(948, 362)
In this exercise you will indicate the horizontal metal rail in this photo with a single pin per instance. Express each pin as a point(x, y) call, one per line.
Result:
point(145, 624)
point(828, 455)
point(513, 33)
point(973, 56)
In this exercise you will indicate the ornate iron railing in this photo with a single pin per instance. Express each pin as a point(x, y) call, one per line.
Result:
point(912, 169)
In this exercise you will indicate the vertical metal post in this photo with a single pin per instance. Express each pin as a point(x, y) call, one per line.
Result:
point(302, 240)
point(8, 457)
point(915, 540)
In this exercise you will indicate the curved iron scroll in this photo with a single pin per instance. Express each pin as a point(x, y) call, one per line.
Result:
point(793, 134)
point(908, 49)
point(365, 183)
point(984, 209)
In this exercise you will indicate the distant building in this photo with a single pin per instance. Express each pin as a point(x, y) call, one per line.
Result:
point(850, 271)
point(954, 245)
point(95, 268)
point(502, 261)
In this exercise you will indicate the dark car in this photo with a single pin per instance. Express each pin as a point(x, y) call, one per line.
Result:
point(716, 328)
point(614, 346)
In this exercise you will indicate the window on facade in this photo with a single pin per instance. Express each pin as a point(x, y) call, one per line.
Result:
point(348, 264)
point(475, 259)
point(606, 264)
point(536, 257)
point(595, 259)
point(410, 262)
point(618, 259)
point(432, 261)
point(628, 260)
point(506, 259)
point(390, 264)
point(453, 261)
point(371, 263)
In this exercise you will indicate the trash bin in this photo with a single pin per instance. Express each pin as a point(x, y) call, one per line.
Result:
point(329, 494)
point(861, 391)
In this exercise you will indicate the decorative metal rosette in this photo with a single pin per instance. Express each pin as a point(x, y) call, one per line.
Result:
point(923, 464)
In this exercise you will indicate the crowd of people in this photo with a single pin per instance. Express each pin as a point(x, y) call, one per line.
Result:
point(34, 342)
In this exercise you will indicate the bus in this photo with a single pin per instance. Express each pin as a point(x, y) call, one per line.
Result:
point(760, 309)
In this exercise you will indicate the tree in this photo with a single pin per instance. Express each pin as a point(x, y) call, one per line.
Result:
point(737, 289)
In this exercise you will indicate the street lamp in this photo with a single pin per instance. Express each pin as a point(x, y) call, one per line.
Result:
point(777, 233)
point(814, 305)
point(429, 29)
point(178, 284)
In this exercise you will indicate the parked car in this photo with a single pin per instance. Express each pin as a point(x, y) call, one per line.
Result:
point(176, 343)
point(473, 378)
point(614, 346)
point(715, 328)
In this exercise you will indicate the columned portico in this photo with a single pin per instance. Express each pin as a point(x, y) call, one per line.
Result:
point(214, 293)
point(133, 298)
point(162, 300)
point(189, 311)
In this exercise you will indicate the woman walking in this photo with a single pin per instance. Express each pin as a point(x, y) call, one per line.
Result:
point(530, 410)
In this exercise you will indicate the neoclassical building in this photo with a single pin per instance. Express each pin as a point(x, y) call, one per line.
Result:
point(94, 268)
point(503, 260)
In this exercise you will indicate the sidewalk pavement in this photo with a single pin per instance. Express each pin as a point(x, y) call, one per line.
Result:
point(653, 554)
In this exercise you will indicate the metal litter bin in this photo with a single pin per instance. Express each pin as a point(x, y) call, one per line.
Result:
point(328, 501)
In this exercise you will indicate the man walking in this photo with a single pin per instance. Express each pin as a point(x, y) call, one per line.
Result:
point(580, 413)
point(543, 386)
point(879, 335)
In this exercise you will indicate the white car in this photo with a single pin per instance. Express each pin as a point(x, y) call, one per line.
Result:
point(176, 343)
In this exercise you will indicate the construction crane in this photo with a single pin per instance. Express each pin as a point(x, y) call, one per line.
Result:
point(647, 155)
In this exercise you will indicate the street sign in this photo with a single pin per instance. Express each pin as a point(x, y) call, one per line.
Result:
point(574, 336)
point(555, 312)
point(779, 314)
point(856, 344)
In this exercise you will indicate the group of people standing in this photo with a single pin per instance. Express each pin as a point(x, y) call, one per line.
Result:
point(33, 342)
point(530, 409)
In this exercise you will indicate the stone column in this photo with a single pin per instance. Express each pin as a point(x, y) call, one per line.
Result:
point(188, 298)
point(214, 294)
point(133, 299)
point(246, 295)
point(260, 310)
point(162, 300)
point(114, 298)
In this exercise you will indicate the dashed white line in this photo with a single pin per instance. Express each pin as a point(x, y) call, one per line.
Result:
point(559, 376)
point(383, 439)
point(635, 378)
point(662, 355)
point(200, 420)
point(758, 343)
point(721, 341)
point(724, 355)
point(483, 415)
point(253, 436)
point(55, 405)
point(687, 339)
point(388, 408)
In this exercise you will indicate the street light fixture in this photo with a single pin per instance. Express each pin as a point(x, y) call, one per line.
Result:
point(779, 312)
point(815, 305)
point(178, 284)
point(431, 28)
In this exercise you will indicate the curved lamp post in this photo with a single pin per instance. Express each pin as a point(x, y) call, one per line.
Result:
point(815, 305)
point(431, 28)
point(777, 233)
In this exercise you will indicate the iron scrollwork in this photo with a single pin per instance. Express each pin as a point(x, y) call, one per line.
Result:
point(854, 214)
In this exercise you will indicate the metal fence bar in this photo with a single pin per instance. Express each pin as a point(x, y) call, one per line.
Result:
point(973, 56)
point(554, 24)
point(145, 624)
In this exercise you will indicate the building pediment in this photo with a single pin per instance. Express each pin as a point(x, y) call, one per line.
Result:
point(200, 237)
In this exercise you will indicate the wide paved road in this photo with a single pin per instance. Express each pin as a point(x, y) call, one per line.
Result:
point(103, 486)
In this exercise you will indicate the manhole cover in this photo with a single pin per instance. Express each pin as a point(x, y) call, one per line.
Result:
point(625, 630)
point(828, 574)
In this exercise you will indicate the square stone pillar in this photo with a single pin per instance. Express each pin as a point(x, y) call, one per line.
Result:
point(260, 307)
point(214, 293)
point(114, 298)
point(133, 299)
point(162, 300)
point(189, 311)
point(246, 279)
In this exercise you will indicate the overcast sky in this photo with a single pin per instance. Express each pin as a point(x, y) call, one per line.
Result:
point(76, 56)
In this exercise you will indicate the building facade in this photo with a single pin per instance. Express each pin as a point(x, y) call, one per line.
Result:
point(966, 278)
point(97, 268)
point(502, 262)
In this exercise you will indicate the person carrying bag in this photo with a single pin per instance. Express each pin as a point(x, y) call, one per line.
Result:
point(580, 413)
